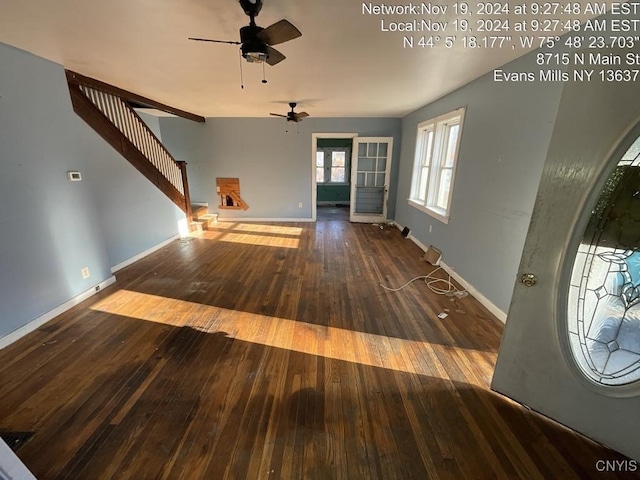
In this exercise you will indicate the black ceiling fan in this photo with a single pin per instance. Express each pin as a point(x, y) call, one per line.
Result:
point(292, 116)
point(256, 42)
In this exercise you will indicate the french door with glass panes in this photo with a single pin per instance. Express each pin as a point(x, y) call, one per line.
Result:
point(370, 170)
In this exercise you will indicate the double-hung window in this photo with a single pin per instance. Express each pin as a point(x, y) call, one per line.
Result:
point(437, 142)
point(332, 165)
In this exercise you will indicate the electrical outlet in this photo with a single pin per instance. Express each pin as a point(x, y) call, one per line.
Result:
point(85, 272)
point(299, 204)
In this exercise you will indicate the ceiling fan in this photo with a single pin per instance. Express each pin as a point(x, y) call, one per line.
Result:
point(292, 116)
point(256, 42)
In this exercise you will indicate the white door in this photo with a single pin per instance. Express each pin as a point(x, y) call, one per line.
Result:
point(370, 169)
point(571, 345)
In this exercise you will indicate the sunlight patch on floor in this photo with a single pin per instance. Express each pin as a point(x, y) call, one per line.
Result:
point(254, 234)
point(258, 228)
point(261, 240)
point(399, 354)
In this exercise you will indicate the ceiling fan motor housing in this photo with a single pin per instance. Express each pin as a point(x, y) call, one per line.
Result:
point(292, 116)
point(253, 49)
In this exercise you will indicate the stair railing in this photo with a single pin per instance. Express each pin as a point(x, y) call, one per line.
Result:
point(110, 114)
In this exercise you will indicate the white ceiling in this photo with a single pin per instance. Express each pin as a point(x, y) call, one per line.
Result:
point(342, 66)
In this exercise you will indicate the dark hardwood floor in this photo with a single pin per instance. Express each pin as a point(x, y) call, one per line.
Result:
point(336, 213)
point(260, 351)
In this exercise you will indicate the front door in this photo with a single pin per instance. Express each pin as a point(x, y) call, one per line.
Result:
point(571, 345)
point(370, 169)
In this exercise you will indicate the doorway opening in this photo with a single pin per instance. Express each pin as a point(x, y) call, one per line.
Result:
point(331, 175)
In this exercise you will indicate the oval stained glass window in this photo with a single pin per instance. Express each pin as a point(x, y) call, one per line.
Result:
point(603, 316)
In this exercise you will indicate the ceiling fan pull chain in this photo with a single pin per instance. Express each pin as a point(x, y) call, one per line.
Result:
point(241, 78)
point(264, 75)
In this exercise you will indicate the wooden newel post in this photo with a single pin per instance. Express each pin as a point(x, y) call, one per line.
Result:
point(185, 186)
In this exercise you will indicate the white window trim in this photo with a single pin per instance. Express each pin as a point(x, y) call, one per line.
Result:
point(435, 212)
point(437, 152)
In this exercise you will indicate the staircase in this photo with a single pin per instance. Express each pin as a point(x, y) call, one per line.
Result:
point(201, 219)
point(109, 111)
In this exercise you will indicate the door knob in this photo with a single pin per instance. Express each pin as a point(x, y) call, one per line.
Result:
point(529, 279)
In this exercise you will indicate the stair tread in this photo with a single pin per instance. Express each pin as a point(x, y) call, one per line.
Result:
point(198, 211)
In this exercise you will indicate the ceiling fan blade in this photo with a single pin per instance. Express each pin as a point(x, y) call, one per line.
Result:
point(302, 115)
point(214, 41)
point(278, 115)
point(279, 32)
point(274, 56)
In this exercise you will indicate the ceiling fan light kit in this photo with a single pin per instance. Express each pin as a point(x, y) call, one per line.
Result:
point(253, 50)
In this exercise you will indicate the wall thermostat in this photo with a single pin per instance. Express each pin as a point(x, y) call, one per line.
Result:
point(74, 176)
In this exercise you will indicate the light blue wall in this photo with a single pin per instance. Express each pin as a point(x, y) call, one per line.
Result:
point(51, 228)
point(152, 121)
point(133, 213)
point(506, 134)
point(274, 166)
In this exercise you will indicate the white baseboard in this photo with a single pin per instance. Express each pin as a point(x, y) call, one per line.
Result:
point(283, 220)
point(473, 291)
point(50, 315)
point(140, 256)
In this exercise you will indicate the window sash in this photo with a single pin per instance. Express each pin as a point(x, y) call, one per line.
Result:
point(437, 144)
point(424, 152)
point(319, 167)
point(334, 166)
point(440, 183)
point(338, 175)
